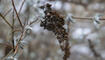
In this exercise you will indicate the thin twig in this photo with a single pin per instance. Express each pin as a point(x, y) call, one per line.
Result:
point(88, 18)
point(21, 6)
point(17, 45)
point(34, 21)
point(91, 46)
point(25, 21)
point(13, 32)
point(5, 20)
point(16, 13)
point(16, 50)
point(7, 55)
point(5, 14)
point(16, 30)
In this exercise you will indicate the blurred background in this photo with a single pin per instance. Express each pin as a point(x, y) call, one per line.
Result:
point(41, 44)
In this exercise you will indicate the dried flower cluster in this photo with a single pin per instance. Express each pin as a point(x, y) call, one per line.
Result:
point(54, 22)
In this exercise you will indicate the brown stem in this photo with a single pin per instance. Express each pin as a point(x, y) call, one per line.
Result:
point(21, 6)
point(89, 18)
point(91, 46)
point(7, 12)
point(21, 37)
point(13, 21)
point(5, 20)
point(16, 13)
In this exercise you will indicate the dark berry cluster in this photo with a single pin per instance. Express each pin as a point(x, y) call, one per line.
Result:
point(54, 22)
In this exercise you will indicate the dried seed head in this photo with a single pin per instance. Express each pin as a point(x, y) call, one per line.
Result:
point(54, 22)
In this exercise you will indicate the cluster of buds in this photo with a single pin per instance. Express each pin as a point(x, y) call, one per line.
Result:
point(52, 21)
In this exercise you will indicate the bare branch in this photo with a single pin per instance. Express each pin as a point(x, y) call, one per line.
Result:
point(7, 12)
point(21, 6)
point(17, 44)
point(33, 21)
point(7, 55)
point(91, 46)
point(88, 18)
point(13, 21)
point(5, 20)
point(16, 13)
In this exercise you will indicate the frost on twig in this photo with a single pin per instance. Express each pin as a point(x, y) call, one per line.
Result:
point(28, 29)
point(96, 20)
point(69, 18)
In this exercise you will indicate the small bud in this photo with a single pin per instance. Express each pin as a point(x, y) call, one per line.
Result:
point(28, 29)
point(97, 18)
point(22, 44)
point(69, 18)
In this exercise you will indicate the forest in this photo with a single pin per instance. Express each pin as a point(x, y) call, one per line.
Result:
point(52, 29)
